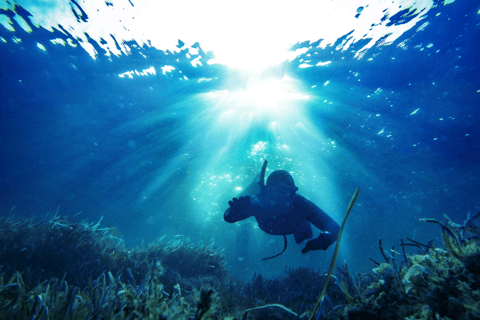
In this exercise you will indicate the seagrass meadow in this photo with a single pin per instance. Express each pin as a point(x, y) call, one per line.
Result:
point(56, 269)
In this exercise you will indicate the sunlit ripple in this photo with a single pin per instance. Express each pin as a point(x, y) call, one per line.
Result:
point(244, 35)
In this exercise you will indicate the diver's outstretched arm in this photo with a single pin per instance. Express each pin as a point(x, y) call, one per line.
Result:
point(240, 209)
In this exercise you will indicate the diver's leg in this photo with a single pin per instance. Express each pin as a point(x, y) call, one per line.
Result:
point(303, 231)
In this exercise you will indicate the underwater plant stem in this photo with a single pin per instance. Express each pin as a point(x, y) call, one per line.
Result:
point(269, 306)
point(444, 227)
point(380, 245)
point(405, 260)
point(334, 258)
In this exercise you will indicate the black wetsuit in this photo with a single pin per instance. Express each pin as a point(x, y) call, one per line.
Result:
point(293, 216)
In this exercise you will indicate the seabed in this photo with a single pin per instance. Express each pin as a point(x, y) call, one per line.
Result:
point(55, 269)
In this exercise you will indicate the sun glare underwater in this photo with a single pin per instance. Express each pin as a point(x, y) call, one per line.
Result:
point(151, 115)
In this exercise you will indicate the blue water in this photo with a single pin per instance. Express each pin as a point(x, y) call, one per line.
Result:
point(160, 155)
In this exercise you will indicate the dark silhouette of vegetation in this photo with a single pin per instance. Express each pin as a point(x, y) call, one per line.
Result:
point(54, 269)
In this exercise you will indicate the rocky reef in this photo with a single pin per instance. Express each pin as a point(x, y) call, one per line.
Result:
point(436, 283)
point(55, 269)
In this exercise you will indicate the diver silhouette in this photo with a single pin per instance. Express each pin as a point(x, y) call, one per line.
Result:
point(279, 210)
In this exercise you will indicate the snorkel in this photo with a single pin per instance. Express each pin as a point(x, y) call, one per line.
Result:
point(261, 183)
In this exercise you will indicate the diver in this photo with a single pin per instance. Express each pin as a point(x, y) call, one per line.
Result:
point(279, 210)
